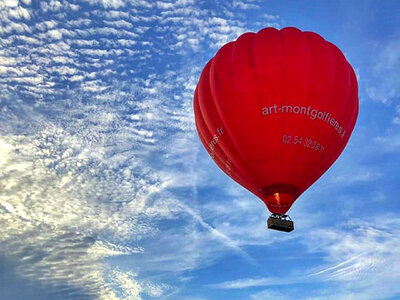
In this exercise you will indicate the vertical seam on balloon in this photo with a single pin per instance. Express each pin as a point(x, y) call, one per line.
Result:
point(331, 98)
point(340, 147)
point(318, 127)
point(310, 63)
point(239, 157)
point(335, 152)
point(207, 127)
point(216, 158)
point(263, 127)
point(231, 49)
point(354, 87)
point(352, 119)
point(264, 142)
point(326, 103)
point(251, 66)
point(284, 97)
point(241, 174)
point(282, 70)
point(234, 175)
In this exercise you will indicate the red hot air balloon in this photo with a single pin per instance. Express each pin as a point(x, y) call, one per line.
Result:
point(275, 109)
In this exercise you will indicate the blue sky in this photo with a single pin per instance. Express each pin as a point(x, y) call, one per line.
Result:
point(107, 193)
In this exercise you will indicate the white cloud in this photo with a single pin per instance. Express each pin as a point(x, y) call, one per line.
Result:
point(5, 152)
point(19, 13)
point(389, 142)
point(244, 5)
point(387, 61)
point(360, 175)
point(9, 3)
point(55, 34)
point(57, 6)
point(270, 294)
point(250, 282)
point(352, 253)
point(119, 23)
point(107, 3)
point(356, 251)
point(131, 289)
point(43, 207)
point(52, 5)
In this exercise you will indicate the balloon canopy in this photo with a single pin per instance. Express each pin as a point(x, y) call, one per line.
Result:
point(275, 109)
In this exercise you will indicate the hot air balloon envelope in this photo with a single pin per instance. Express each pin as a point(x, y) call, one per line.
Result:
point(274, 110)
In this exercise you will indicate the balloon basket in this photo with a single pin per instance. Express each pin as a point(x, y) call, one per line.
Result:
point(280, 222)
